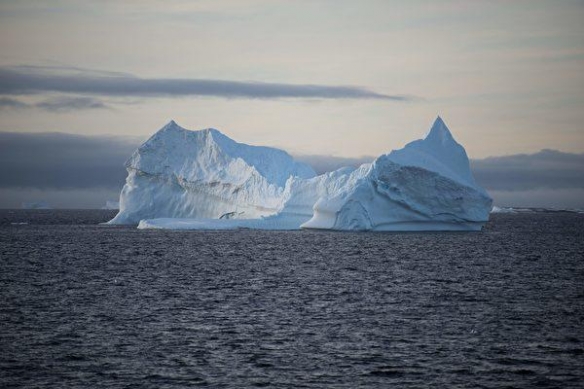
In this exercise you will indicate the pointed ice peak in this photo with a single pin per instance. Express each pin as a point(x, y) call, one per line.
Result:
point(438, 152)
point(172, 130)
point(173, 126)
point(170, 124)
point(439, 132)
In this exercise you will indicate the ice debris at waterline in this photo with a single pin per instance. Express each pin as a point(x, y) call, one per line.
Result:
point(181, 179)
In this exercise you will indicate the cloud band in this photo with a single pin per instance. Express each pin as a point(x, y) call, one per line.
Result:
point(29, 80)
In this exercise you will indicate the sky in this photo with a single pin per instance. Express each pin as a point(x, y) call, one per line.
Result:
point(331, 82)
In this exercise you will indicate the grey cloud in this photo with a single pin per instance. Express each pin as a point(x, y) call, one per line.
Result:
point(7, 102)
point(30, 79)
point(64, 104)
point(64, 69)
point(58, 198)
point(56, 104)
point(546, 198)
point(547, 169)
point(57, 160)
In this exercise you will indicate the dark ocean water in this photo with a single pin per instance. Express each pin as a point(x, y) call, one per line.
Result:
point(84, 305)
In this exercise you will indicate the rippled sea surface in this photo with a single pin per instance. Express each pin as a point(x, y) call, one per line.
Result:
point(84, 305)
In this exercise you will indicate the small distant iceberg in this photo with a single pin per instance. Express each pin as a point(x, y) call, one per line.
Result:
point(36, 205)
point(518, 210)
point(110, 204)
point(181, 179)
point(496, 209)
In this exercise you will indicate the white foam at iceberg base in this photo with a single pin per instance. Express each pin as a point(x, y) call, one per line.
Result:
point(276, 222)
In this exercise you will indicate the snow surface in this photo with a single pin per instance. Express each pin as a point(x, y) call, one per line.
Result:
point(182, 179)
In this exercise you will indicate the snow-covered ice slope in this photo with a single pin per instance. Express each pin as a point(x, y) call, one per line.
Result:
point(179, 173)
point(183, 179)
point(426, 186)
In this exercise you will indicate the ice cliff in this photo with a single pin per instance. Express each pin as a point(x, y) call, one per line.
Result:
point(184, 179)
point(179, 173)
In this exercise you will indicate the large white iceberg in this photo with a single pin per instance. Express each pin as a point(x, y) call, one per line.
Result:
point(179, 173)
point(182, 179)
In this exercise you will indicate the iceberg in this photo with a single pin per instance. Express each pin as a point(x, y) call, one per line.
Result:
point(425, 186)
point(179, 173)
point(497, 209)
point(522, 210)
point(181, 179)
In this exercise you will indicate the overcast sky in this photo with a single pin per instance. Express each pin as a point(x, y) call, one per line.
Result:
point(318, 78)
